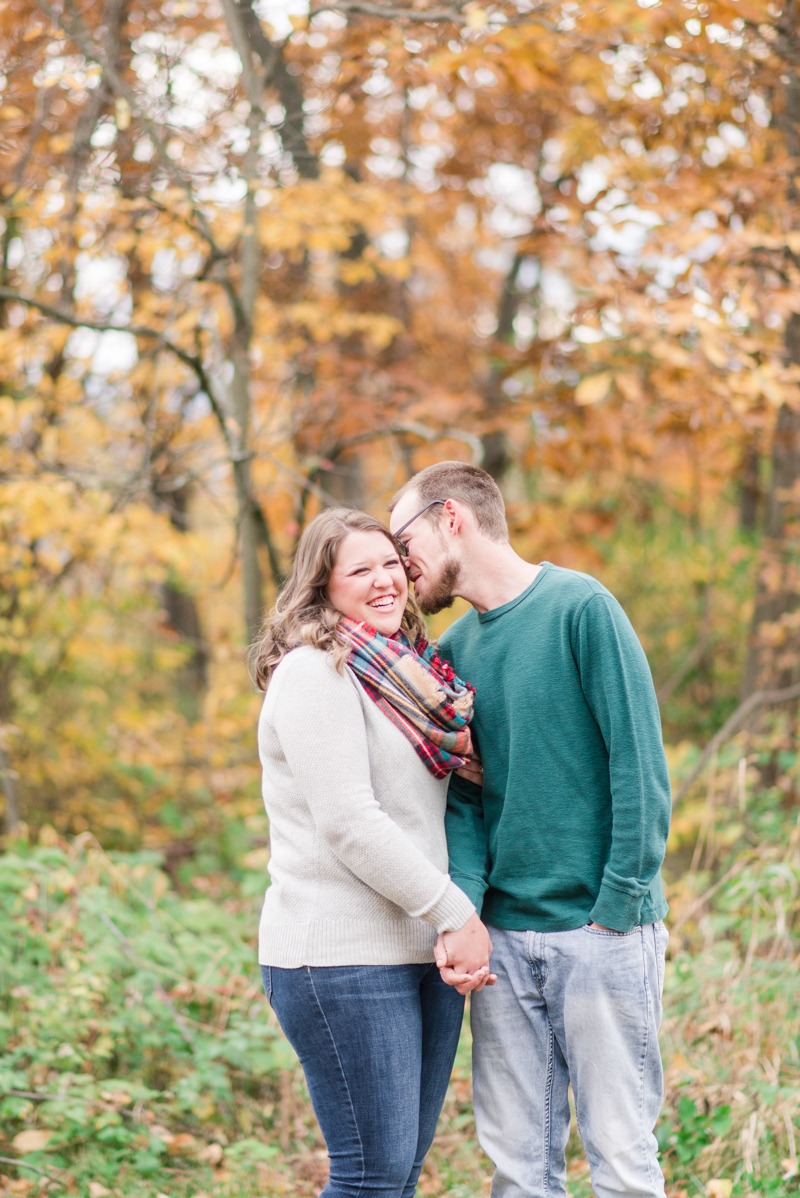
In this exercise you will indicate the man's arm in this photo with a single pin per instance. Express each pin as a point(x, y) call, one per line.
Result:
point(459, 955)
point(467, 841)
point(619, 690)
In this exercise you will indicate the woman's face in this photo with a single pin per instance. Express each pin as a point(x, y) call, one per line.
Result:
point(368, 581)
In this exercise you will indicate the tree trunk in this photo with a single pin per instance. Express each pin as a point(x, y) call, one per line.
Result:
point(8, 775)
point(750, 488)
point(181, 608)
point(496, 455)
point(773, 658)
point(773, 655)
point(344, 482)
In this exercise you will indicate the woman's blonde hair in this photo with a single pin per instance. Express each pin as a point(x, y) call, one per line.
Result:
point(303, 614)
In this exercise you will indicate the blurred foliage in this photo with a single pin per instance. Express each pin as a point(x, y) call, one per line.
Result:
point(139, 1055)
point(252, 265)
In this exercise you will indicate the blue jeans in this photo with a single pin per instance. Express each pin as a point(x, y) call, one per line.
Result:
point(583, 1007)
point(377, 1044)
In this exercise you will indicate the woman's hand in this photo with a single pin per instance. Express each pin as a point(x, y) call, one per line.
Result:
point(472, 771)
point(463, 956)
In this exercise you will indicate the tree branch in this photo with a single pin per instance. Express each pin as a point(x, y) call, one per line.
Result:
point(9, 1160)
point(732, 724)
point(83, 39)
point(666, 691)
point(193, 361)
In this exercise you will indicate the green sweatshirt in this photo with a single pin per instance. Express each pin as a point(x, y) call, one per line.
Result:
point(572, 820)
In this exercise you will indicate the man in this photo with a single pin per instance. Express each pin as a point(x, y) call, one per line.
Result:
point(560, 848)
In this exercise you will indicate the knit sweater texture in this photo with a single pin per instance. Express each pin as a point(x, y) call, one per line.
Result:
point(358, 863)
point(571, 822)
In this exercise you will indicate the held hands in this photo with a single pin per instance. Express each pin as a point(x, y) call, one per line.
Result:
point(463, 956)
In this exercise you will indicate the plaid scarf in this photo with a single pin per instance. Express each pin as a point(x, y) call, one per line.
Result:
point(418, 691)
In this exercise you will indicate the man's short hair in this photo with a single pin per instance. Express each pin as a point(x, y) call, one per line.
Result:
point(472, 486)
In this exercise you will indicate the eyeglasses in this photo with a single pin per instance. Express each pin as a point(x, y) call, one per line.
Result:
point(401, 547)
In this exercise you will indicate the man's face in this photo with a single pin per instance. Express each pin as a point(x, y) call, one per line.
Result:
point(431, 565)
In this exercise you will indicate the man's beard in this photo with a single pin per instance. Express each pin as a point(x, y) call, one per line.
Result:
point(440, 593)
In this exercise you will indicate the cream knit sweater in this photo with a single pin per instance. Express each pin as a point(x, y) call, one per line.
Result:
point(359, 855)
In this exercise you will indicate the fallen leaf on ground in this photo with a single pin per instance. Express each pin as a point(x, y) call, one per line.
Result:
point(31, 1141)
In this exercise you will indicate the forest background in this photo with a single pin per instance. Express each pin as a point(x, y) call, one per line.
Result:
point(255, 260)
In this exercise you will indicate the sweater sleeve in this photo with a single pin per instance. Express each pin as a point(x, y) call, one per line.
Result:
point(616, 682)
point(467, 842)
point(320, 726)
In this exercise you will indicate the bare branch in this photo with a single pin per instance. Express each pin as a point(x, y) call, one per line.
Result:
point(453, 16)
point(666, 691)
point(83, 39)
point(193, 361)
point(10, 1160)
point(732, 724)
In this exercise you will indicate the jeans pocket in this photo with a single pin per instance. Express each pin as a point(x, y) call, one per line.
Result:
point(661, 938)
point(610, 931)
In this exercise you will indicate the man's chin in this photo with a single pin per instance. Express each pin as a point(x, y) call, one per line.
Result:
point(433, 604)
point(441, 593)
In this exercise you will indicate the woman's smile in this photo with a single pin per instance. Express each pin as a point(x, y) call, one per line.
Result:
point(383, 602)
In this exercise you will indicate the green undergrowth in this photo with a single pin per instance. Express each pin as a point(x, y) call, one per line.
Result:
point(138, 1056)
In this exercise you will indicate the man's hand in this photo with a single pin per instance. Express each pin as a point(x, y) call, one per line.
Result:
point(472, 771)
point(463, 956)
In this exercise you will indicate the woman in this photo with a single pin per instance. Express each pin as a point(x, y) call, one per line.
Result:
point(360, 728)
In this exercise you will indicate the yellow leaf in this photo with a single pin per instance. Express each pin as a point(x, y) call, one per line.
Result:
point(477, 18)
point(630, 386)
point(299, 22)
point(719, 1187)
point(60, 142)
point(10, 113)
point(122, 113)
point(593, 388)
point(31, 1141)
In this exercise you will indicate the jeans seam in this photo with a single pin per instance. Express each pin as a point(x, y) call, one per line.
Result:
point(548, 1106)
point(344, 1078)
point(648, 1012)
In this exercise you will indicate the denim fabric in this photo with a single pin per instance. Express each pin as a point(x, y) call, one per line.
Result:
point(377, 1044)
point(584, 1007)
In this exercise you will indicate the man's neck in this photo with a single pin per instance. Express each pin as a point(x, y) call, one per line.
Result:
point(494, 575)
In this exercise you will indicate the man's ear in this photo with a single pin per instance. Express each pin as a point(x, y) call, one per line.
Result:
point(454, 517)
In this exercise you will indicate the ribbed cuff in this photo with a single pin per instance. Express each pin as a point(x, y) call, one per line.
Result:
point(474, 888)
point(617, 909)
point(451, 911)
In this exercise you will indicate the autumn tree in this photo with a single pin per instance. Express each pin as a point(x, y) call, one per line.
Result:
point(271, 268)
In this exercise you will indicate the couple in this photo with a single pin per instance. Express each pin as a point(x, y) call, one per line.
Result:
point(421, 823)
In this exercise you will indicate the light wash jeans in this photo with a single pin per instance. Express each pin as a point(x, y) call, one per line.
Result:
point(583, 1007)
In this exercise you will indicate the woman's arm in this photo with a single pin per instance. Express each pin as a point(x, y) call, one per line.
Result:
point(320, 725)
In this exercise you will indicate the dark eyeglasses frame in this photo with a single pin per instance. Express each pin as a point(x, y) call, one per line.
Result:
point(401, 547)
